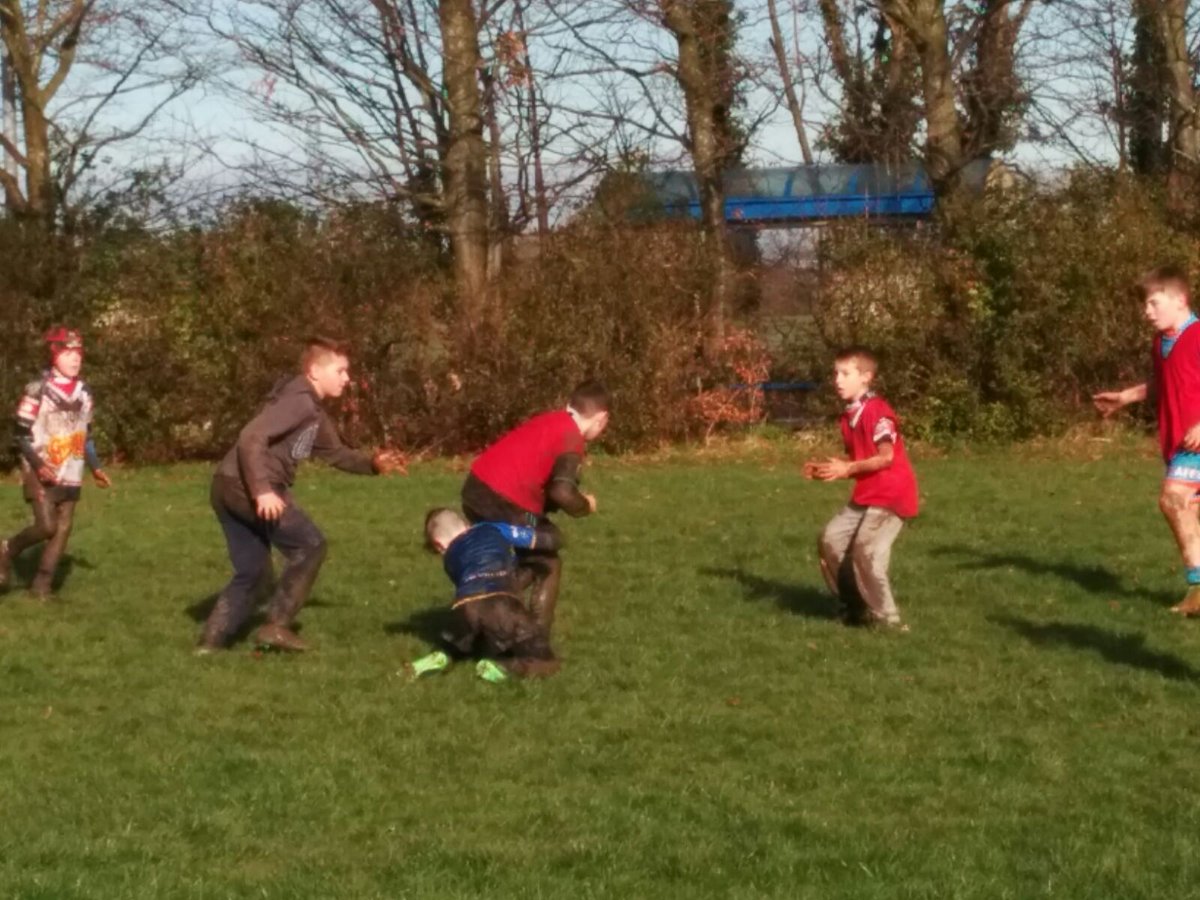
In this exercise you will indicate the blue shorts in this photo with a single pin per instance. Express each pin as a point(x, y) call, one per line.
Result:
point(1184, 466)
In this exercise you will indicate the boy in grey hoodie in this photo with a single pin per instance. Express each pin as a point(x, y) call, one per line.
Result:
point(252, 499)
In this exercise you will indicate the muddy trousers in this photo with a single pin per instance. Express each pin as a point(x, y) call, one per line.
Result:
point(538, 569)
point(53, 516)
point(499, 627)
point(855, 549)
point(249, 540)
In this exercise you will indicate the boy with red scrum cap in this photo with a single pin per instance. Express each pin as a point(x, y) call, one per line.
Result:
point(53, 434)
point(534, 470)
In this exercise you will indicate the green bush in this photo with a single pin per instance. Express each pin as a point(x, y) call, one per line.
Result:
point(1004, 328)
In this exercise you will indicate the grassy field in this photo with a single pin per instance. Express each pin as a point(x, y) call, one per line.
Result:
point(714, 733)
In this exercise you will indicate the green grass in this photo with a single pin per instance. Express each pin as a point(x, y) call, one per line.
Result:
point(714, 732)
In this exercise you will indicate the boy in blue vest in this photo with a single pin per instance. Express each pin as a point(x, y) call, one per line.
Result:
point(489, 619)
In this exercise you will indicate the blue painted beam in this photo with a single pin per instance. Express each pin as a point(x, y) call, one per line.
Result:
point(777, 209)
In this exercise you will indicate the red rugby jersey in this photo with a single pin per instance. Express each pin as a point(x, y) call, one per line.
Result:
point(1177, 383)
point(865, 425)
point(519, 464)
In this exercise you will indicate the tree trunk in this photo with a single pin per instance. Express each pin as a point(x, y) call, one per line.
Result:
point(464, 160)
point(1177, 71)
point(39, 185)
point(14, 200)
point(703, 32)
point(26, 53)
point(925, 21)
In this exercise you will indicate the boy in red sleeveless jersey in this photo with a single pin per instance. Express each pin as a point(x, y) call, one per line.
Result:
point(1175, 356)
point(533, 470)
point(855, 548)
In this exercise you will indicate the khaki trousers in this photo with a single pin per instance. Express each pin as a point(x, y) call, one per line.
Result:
point(855, 549)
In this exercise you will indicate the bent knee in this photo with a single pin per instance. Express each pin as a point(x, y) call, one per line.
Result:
point(1176, 497)
point(864, 554)
point(45, 529)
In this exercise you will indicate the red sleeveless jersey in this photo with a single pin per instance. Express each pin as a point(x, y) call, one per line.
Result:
point(519, 464)
point(1177, 383)
point(865, 425)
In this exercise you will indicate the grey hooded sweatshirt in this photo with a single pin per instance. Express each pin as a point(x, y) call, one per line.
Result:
point(289, 428)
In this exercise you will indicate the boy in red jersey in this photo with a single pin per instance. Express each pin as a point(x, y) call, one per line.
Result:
point(1175, 354)
point(856, 546)
point(534, 470)
point(53, 434)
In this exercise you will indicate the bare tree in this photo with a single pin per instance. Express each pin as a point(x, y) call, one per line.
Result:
point(41, 51)
point(464, 160)
point(87, 76)
point(793, 98)
point(875, 67)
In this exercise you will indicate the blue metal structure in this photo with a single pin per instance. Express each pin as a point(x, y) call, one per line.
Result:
point(811, 193)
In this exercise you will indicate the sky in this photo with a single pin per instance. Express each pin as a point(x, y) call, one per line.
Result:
point(206, 132)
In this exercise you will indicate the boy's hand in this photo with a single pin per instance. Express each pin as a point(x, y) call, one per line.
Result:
point(101, 478)
point(270, 506)
point(810, 469)
point(1191, 438)
point(385, 462)
point(1108, 402)
point(46, 475)
point(591, 502)
point(831, 469)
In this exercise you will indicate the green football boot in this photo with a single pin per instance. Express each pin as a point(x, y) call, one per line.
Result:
point(490, 672)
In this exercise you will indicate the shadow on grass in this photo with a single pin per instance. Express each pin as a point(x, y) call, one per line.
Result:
point(427, 624)
point(1095, 579)
point(24, 567)
point(799, 599)
point(1122, 649)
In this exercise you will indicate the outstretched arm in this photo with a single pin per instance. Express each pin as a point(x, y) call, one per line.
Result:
point(1108, 402)
point(329, 447)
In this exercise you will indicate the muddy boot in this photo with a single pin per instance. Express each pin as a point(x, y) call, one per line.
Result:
point(279, 637)
point(545, 592)
point(295, 583)
point(218, 628)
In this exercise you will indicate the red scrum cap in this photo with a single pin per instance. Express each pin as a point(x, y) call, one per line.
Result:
point(61, 338)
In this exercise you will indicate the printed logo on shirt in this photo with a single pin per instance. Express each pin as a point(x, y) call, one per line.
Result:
point(64, 447)
point(885, 430)
point(302, 446)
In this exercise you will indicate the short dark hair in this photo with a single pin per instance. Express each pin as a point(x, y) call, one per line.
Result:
point(863, 357)
point(589, 398)
point(1163, 278)
point(318, 348)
